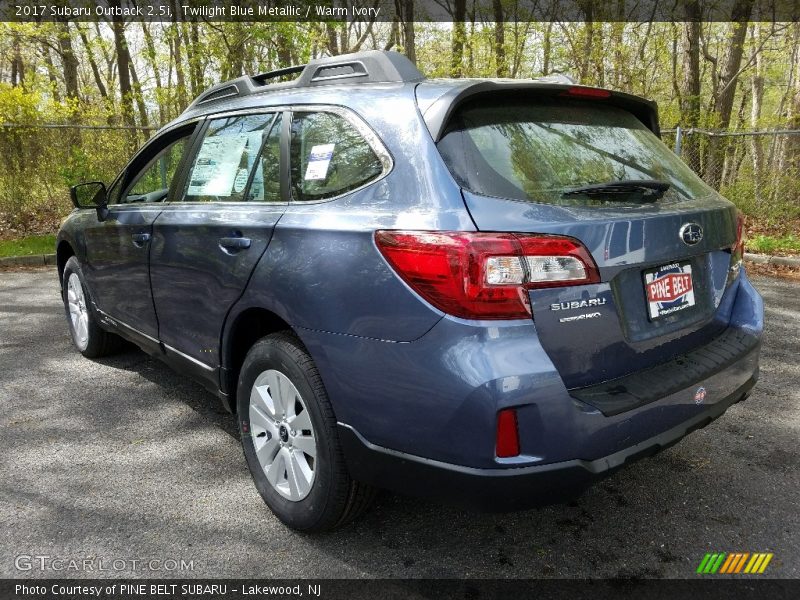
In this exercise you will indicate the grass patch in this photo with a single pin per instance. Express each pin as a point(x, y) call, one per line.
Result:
point(769, 244)
point(34, 244)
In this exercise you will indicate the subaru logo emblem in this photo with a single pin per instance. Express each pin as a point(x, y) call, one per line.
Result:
point(700, 395)
point(691, 233)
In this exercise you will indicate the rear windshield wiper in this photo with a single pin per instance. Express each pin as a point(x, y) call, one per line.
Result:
point(646, 190)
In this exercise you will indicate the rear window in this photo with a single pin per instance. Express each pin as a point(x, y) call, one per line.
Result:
point(536, 150)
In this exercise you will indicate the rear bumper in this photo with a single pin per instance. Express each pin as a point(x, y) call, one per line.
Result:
point(438, 396)
point(504, 489)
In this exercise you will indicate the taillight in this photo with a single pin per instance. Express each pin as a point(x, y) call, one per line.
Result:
point(478, 275)
point(737, 252)
point(738, 249)
point(507, 444)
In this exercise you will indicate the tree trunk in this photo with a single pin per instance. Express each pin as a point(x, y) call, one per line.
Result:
point(409, 35)
point(617, 36)
point(123, 72)
point(51, 72)
point(470, 43)
point(690, 85)
point(598, 55)
point(179, 73)
point(788, 168)
point(283, 47)
point(499, 39)
point(588, 40)
point(547, 49)
point(137, 93)
point(234, 63)
point(17, 66)
point(154, 68)
point(98, 80)
point(728, 79)
point(757, 93)
point(191, 59)
point(196, 66)
point(333, 39)
point(68, 60)
point(459, 35)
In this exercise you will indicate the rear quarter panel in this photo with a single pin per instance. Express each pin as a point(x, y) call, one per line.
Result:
point(322, 270)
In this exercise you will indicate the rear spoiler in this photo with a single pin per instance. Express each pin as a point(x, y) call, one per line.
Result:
point(438, 113)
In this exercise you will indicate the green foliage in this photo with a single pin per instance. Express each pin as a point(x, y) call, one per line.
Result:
point(767, 244)
point(34, 244)
point(37, 165)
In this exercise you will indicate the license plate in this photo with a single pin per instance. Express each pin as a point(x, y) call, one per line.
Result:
point(669, 289)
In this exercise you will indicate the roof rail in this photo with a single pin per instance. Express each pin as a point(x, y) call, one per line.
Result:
point(371, 66)
point(263, 77)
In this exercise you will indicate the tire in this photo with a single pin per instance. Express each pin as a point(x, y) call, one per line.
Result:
point(88, 337)
point(286, 422)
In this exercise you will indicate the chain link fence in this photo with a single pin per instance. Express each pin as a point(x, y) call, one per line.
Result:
point(757, 170)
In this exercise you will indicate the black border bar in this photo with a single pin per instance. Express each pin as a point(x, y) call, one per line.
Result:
point(703, 587)
point(483, 11)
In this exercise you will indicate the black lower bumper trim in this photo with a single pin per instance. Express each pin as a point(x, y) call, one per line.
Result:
point(637, 389)
point(505, 489)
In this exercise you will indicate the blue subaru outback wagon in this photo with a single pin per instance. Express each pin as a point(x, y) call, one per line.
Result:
point(491, 291)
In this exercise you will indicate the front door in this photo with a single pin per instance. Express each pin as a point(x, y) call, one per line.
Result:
point(117, 248)
point(207, 243)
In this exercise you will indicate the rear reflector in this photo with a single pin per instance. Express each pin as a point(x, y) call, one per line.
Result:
point(477, 275)
point(587, 92)
point(507, 433)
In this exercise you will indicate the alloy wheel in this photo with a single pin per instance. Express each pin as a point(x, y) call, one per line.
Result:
point(283, 435)
point(78, 314)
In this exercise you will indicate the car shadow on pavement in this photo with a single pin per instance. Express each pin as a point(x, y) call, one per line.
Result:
point(174, 385)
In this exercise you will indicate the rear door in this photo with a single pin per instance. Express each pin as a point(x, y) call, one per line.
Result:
point(117, 248)
point(207, 243)
point(663, 257)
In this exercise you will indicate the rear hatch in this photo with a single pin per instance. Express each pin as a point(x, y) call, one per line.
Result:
point(578, 164)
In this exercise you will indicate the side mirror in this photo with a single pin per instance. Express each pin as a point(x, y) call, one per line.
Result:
point(91, 195)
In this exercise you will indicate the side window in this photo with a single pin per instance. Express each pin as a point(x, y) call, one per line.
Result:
point(153, 182)
point(114, 192)
point(328, 157)
point(227, 157)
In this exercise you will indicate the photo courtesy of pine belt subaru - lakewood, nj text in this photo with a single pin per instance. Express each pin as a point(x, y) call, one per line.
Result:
point(489, 291)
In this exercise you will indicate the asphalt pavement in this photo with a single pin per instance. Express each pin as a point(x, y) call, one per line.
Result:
point(120, 467)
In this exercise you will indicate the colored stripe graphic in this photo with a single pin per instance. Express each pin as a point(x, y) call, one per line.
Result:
point(766, 562)
point(734, 563)
point(718, 564)
point(711, 563)
point(740, 564)
point(728, 563)
point(703, 563)
point(754, 563)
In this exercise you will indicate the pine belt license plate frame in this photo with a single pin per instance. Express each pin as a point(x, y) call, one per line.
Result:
point(668, 289)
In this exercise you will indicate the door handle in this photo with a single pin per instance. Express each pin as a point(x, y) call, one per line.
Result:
point(234, 243)
point(140, 239)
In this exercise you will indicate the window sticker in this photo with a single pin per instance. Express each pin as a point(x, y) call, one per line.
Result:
point(240, 181)
point(216, 166)
point(319, 161)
